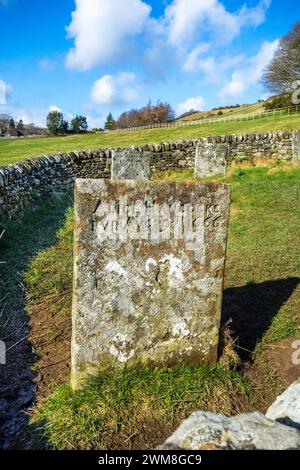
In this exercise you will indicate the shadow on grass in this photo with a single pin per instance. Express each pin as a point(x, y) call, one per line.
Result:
point(21, 241)
point(252, 308)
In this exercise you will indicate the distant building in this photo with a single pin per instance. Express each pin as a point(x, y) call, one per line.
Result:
point(12, 133)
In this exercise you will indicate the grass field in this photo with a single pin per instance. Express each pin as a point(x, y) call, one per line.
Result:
point(12, 151)
point(139, 408)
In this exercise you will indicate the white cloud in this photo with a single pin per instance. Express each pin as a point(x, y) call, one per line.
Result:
point(96, 121)
point(254, 16)
point(189, 29)
point(53, 107)
point(101, 27)
point(5, 92)
point(194, 58)
point(236, 86)
point(68, 116)
point(28, 115)
point(2, 92)
point(263, 57)
point(196, 103)
point(46, 64)
point(213, 68)
point(187, 20)
point(38, 116)
point(115, 89)
point(242, 79)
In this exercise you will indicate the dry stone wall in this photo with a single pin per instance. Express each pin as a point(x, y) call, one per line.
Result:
point(21, 185)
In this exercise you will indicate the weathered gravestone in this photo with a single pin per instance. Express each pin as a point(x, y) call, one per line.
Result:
point(296, 148)
point(127, 165)
point(211, 159)
point(149, 261)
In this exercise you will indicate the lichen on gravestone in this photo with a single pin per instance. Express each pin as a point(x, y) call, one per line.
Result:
point(130, 165)
point(149, 264)
point(296, 148)
point(211, 159)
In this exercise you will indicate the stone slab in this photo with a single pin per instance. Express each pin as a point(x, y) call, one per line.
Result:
point(148, 273)
point(211, 159)
point(286, 408)
point(296, 148)
point(127, 165)
point(252, 431)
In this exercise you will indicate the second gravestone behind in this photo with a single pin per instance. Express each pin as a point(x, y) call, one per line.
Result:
point(127, 165)
point(211, 159)
point(149, 263)
point(296, 148)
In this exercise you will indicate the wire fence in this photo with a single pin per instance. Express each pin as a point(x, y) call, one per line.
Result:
point(237, 118)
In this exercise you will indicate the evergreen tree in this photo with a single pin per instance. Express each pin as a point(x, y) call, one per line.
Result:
point(79, 123)
point(20, 125)
point(110, 123)
point(56, 123)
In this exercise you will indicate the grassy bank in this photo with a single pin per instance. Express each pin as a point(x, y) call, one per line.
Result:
point(139, 408)
point(19, 244)
point(17, 150)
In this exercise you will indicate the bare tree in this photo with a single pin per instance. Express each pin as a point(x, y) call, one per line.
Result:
point(149, 114)
point(284, 69)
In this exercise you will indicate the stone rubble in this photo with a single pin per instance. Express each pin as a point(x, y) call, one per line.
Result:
point(286, 408)
point(253, 431)
point(279, 429)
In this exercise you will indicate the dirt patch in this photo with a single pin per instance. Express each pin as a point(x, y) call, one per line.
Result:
point(280, 356)
point(150, 433)
point(272, 372)
point(50, 338)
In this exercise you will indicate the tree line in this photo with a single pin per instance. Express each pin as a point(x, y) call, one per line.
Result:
point(150, 114)
point(56, 123)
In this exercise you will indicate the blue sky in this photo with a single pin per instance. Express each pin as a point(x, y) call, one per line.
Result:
point(96, 56)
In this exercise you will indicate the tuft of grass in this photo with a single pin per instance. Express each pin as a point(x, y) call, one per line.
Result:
point(282, 326)
point(19, 244)
point(115, 409)
point(174, 175)
point(50, 273)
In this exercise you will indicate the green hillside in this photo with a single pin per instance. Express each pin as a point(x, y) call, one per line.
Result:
point(12, 151)
point(244, 109)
